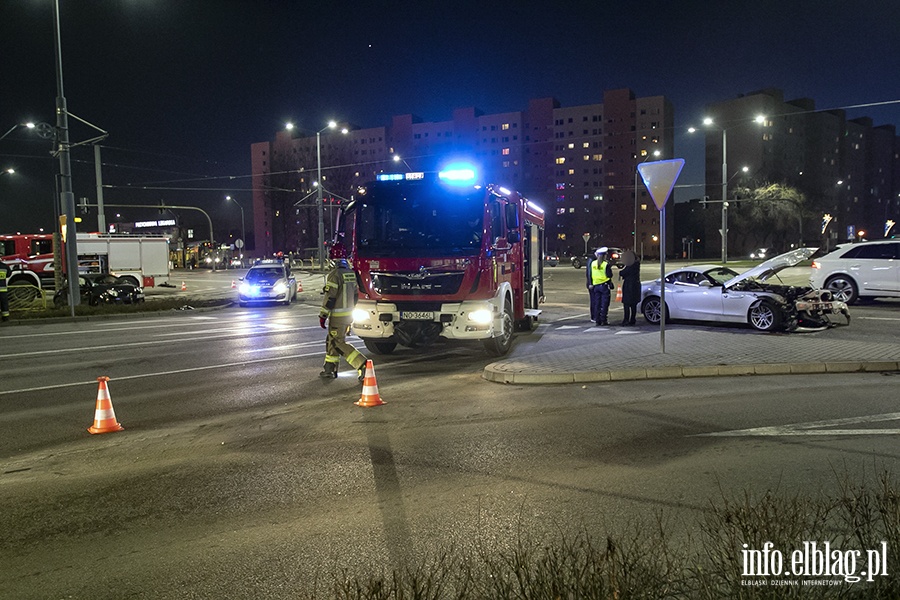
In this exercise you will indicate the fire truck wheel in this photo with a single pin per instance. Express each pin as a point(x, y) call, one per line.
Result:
point(132, 280)
point(500, 345)
point(378, 347)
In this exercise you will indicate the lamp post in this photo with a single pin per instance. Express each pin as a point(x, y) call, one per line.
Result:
point(66, 197)
point(655, 154)
point(243, 231)
point(708, 122)
point(320, 207)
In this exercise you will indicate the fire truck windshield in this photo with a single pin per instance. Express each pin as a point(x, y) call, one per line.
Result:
point(419, 221)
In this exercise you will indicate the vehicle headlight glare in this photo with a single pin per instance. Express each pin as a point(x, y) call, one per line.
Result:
point(360, 315)
point(280, 288)
point(244, 289)
point(482, 316)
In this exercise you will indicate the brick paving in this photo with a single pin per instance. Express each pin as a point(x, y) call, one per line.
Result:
point(617, 354)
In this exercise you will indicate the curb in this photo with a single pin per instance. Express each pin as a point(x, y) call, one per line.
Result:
point(490, 373)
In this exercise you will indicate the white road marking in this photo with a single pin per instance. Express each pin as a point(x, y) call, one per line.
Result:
point(226, 333)
point(816, 428)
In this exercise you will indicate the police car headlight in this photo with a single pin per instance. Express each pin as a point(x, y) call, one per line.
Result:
point(244, 289)
point(280, 288)
point(360, 315)
point(482, 316)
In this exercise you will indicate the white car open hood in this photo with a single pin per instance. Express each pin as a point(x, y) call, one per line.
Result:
point(764, 270)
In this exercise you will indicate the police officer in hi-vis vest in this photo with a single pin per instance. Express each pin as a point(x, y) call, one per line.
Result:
point(599, 280)
point(4, 291)
point(337, 310)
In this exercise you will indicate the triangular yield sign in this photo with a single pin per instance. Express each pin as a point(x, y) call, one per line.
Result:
point(659, 177)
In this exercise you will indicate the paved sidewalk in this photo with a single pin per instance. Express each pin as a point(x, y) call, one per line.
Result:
point(586, 354)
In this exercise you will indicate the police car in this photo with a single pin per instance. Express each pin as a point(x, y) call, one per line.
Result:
point(268, 281)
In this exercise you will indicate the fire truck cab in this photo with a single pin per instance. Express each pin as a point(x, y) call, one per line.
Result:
point(440, 255)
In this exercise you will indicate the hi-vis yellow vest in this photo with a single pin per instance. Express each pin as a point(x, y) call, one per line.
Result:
point(598, 273)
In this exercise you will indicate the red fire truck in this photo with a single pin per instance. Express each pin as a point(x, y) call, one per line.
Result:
point(439, 255)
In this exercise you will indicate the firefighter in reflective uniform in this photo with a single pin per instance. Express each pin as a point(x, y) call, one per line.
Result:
point(337, 308)
point(4, 292)
point(599, 280)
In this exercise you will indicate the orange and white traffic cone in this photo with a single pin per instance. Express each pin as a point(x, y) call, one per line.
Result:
point(299, 286)
point(233, 284)
point(104, 416)
point(183, 286)
point(619, 294)
point(370, 395)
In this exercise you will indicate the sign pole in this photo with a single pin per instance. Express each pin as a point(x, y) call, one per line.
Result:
point(660, 177)
point(662, 278)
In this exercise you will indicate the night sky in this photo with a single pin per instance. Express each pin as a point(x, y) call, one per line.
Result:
point(185, 86)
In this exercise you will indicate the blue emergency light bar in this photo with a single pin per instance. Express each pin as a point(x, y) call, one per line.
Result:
point(460, 176)
point(400, 176)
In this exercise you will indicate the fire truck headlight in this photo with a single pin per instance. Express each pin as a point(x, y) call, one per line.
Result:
point(482, 316)
point(360, 315)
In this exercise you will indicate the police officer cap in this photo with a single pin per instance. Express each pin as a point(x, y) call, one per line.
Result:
point(601, 250)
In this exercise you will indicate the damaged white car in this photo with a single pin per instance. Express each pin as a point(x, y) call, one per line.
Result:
point(717, 293)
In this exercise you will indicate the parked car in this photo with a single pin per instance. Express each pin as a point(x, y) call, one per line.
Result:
point(268, 281)
point(862, 270)
point(615, 256)
point(101, 288)
point(716, 293)
point(551, 259)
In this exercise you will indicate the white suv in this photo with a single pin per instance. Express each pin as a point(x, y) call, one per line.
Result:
point(862, 270)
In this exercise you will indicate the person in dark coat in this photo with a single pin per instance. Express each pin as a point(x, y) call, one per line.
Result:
point(630, 275)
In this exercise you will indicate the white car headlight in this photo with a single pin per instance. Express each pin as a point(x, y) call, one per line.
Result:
point(360, 315)
point(482, 316)
point(280, 288)
point(245, 289)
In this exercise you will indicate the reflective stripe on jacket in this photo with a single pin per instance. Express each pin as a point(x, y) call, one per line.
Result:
point(340, 293)
point(4, 274)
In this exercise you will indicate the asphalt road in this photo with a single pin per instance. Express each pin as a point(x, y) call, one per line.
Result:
point(240, 474)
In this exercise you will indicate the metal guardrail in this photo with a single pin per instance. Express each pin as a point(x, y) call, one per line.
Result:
point(25, 296)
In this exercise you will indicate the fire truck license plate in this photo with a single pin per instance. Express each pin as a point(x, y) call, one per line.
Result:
point(417, 315)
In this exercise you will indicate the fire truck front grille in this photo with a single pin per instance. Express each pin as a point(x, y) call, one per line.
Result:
point(417, 283)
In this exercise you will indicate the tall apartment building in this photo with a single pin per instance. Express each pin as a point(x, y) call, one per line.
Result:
point(849, 169)
point(578, 163)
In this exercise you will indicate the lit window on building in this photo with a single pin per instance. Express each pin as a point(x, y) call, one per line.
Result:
point(561, 160)
point(504, 126)
point(586, 145)
point(506, 152)
point(643, 207)
point(560, 211)
point(571, 145)
point(571, 171)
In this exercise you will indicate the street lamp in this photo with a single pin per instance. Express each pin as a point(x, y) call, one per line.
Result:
point(243, 231)
point(8, 171)
point(320, 207)
point(29, 125)
point(708, 122)
point(655, 154)
point(397, 158)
